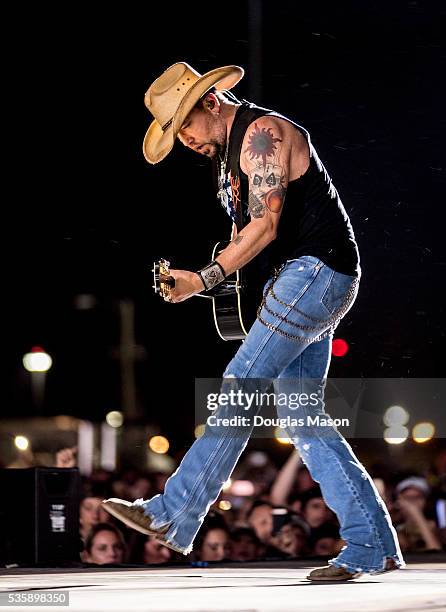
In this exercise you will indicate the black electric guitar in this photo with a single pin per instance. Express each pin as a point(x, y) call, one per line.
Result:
point(234, 301)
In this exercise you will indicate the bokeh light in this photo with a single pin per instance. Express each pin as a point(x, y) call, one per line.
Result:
point(37, 360)
point(159, 444)
point(21, 442)
point(396, 434)
point(224, 504)
point(199, 430)
point(339, 347)
point(281, 436)
point(395, 415)
point(242, 488)
point(423, 432)
point(227, 485)
point(115, 418)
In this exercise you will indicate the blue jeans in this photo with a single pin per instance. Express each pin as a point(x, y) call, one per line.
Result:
point(290, 343)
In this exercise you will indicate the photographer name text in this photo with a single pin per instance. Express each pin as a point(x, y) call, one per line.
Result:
point(260, 421)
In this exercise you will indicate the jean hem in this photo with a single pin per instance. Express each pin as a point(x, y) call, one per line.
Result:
point(173, 544)
point(170, 542)
point(155, 522)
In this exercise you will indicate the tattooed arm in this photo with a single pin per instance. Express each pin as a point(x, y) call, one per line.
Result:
point(265, 158)
point(272, 151)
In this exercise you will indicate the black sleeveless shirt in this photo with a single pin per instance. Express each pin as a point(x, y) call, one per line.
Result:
point(313, 220)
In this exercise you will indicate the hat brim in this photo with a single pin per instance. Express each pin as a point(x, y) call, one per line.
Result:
point(158, 144)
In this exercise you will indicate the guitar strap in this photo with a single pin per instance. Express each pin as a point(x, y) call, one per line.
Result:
point(243, 118)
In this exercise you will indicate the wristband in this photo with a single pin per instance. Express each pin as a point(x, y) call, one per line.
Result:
point(212, 274)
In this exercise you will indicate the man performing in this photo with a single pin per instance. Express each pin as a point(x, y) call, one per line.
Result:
point(286, 212)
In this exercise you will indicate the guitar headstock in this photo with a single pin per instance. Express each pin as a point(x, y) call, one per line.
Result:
point(162, 281)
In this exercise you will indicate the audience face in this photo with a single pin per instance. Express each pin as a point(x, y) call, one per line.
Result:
point(155, 552)
point(290, 539)
point(92, 513)
point(215, 545)
point(106, 548)
point(325, 547)
point(316, 512)
point(414, 496)
point(261, 521)
point(244, 549)
point(296, 505)
point(140, 488)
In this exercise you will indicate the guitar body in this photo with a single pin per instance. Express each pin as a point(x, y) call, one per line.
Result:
point(234, 302)
point(230, 321)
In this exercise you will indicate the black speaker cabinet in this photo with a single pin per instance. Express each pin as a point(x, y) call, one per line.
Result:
point(39, 516)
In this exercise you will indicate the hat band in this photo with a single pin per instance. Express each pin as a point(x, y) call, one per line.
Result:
point(166, 125)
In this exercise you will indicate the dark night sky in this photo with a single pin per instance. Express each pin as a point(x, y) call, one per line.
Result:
point(86, 213)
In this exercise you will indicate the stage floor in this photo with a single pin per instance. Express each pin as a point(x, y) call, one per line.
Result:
point(242, 588)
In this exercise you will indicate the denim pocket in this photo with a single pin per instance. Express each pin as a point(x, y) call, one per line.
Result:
point(307, 260)
point(294, 278)
point(337, 291)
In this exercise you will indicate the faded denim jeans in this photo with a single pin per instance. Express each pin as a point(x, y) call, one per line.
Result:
point(290, 344)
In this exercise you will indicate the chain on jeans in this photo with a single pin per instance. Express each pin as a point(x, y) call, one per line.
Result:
point(332, 321)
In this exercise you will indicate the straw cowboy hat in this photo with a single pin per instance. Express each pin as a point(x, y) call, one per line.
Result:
point(172, 96)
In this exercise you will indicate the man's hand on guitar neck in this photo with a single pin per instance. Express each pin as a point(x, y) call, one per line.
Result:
point(187, 284)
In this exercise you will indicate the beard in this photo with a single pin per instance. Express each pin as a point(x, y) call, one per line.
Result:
point(220, 148)
point(212, 149)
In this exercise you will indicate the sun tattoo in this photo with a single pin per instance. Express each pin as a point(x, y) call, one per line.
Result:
point(262, 143)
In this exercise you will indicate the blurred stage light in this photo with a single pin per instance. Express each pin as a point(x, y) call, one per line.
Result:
point(199, 430)
point(423, 432)
point(395, 415)
point(21, 442)
point(396, 434)
point(339, 347)
point(281, 436)
point(37, 360)
point(227, 484)
point(115, 418)
point(242, 488)
point(225, 504)
point(257, 459)
point(159, 444)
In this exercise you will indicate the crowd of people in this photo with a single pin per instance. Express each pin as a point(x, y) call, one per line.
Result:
point(265, 512)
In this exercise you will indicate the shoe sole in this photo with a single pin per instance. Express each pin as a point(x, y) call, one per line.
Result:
point(333, 578)
point(358, 575)
point(386, 571)
point(127, 521)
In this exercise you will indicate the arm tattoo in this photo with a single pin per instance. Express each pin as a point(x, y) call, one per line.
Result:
point(266, 189)
point(267, 177)
point(256, 208)
point(237, 240)
point(262, 143)
point(274, 199)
